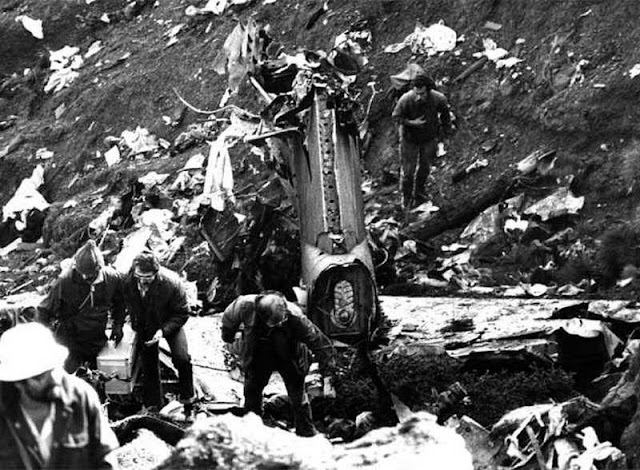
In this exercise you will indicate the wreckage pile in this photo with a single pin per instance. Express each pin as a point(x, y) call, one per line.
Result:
point(209, 204)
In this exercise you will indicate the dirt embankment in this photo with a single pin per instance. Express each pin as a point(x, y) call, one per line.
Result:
point(571, 92)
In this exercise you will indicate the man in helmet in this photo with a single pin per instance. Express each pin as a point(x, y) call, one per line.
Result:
point(421, 115)
point(276, 337)
point(78, 307)
point(157, 301)
point(48, 418)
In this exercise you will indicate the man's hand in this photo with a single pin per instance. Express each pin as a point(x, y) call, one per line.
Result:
point(116, 334)
point(156, 337)
point(415, 122)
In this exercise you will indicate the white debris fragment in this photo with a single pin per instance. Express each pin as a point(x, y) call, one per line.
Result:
point(94, 48)
point(559, 203)
point(635, 71)
point(427, 40)
point(172, 34)
point(140, 140)
point(492, 51)
point(26, 197)
point(64, 63)
point(508, 62)
point(31, 25)
point(112, 156)
point(44, 154)
point(152, 179)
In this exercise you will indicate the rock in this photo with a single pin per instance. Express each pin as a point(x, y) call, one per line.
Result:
point(245, 443)
point(417, 443)
point(144, 452)
point(476, 437)
point(232, 442)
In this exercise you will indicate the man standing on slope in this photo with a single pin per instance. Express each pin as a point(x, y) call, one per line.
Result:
point(421, 115)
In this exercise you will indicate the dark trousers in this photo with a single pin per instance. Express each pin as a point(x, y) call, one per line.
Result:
point(256, 379)
point(152, 386)
point(416, 159)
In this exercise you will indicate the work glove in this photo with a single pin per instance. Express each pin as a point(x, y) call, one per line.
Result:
point(116, 334)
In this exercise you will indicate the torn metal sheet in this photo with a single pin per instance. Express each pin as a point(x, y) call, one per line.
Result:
point(561, 202)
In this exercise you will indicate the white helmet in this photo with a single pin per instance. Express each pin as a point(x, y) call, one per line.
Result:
point(28, 350)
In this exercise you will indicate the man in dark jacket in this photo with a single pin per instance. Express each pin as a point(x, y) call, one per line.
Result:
point(421, 115)
point(48, 418)
point(78, 305)
point(276, 336)
point(157, 301)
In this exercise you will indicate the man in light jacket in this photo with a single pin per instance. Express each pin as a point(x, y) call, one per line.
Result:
point(48, 418)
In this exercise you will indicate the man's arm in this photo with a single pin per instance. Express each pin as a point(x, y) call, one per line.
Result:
point(308, 333)
point(102, 439)
point(179, 310)
point(445, 116)
point(231, 320)
point(399, 115)
point(48, 312)
point(118, 310)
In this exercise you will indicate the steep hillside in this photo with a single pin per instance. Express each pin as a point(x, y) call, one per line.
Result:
point(572, 91)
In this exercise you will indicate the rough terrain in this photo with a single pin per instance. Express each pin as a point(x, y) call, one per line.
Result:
point(574, 92)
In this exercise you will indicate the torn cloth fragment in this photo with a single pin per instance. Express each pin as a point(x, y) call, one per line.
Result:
point(238, 52)
point(26, 197)
point(218, 184)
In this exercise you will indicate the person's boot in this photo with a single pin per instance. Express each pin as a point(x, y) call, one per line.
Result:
point(407, 194)
point(188, 407)
point(303, 421)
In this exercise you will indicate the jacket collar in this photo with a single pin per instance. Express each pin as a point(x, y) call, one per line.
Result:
point(60, 392)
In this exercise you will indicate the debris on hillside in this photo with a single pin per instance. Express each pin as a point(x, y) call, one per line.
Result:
point(32, 25)
point(496, 54)
point(247, 443)
point(65, 63)
point(557, 436)
point(427, 40)
point(23, 214)
point(534, 211)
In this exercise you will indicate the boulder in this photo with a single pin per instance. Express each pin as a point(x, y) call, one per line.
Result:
point(417, 442)
point(231, 442)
